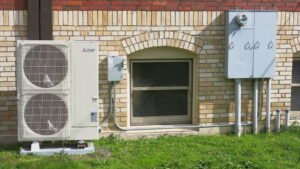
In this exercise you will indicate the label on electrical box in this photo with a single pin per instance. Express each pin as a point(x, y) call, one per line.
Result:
point(93, 115)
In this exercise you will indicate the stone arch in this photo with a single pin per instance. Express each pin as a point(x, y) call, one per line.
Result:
point(295, 44)
point(160, 39)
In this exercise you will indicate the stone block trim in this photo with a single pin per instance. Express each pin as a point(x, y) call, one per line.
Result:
point(295, 44)
point(164, 38)
point(13, 18)
point(141, 18)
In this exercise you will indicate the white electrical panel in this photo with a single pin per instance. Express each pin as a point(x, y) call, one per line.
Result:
point(251, 44)
point(114, 66)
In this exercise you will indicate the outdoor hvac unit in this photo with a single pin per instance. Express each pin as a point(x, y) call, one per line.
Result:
point(57, 83)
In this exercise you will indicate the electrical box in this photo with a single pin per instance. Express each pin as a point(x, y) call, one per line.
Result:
point(115, 66)
point(251, 44)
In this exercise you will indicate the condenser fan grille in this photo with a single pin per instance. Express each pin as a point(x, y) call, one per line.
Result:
point(46, 114)
point(45, 66)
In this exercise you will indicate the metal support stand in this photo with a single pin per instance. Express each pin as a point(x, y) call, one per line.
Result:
point(35, 146)
point(238, 91)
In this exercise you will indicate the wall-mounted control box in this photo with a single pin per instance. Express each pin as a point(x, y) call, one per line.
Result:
point(251, 44)
point(114, 66)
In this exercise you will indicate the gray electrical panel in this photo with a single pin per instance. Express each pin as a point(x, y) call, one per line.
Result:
point(115, 66)
point(251, 44)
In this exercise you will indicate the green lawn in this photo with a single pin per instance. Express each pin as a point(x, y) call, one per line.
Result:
point(271, 151)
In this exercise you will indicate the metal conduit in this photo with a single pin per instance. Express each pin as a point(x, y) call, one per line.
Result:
point(112, 111)
point(255, 106)
point(238, 101)
point(268, 114)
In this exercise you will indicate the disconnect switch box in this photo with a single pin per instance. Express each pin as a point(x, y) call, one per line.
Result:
point(115, 66)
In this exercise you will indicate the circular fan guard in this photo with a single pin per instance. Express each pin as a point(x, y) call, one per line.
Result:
point(45, 66)
point(46, 114)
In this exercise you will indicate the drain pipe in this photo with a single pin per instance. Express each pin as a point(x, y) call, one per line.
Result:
point(238, 91)
point(255, 106)
point(268, 109)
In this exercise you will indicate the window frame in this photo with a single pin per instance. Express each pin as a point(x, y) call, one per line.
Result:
point(171, 118)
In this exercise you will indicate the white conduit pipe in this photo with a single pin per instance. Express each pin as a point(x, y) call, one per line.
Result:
point(277, 125)
point(268, 109)
point(287, 118)
point(112, 111)
point(255, 106)
point(238, 100)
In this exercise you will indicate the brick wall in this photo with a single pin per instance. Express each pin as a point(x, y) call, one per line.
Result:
point(124, 32)
point(12, 28)
point(169, 5)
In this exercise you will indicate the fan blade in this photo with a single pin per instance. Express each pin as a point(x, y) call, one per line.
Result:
point(48, 81)
point(51, 126)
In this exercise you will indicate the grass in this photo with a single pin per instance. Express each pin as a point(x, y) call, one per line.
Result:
point(270, 151)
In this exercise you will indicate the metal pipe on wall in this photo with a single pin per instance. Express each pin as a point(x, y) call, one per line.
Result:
point(238, 101)
point(268, 109)
point(255, 106)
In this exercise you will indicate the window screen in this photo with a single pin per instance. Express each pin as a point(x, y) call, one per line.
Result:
point(160, 92)
point(149, 74)
point(295, 96)
point(295, 99)
point(160, 102)
point(296, 71)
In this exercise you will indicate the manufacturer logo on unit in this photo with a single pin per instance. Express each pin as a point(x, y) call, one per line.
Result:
point(88, 50)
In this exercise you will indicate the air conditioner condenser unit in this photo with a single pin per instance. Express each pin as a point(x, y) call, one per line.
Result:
point(57, 86)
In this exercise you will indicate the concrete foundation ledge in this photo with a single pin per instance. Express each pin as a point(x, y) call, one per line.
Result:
point(136, 134)
point(8, 140)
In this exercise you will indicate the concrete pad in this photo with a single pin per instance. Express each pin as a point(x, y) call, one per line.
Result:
point(52, 151)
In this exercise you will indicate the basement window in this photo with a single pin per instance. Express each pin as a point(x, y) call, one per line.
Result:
point(295, 105)
point(161, 92)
